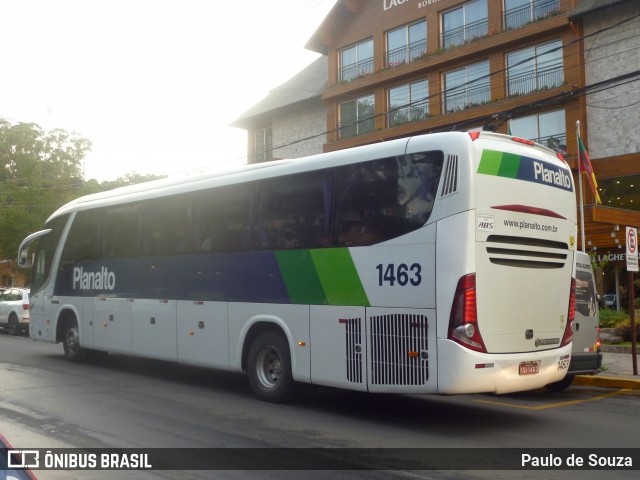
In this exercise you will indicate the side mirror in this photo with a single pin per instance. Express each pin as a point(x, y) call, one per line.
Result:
point(23, 250)
point(23, 258)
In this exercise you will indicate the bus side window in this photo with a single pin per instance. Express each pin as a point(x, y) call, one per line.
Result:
point(222, 219)
point(166, 226)
point(122, 231)
point(293, 211)
point(82, 242)
point(383, 199)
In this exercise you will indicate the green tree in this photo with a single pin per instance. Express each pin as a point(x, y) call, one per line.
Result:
point(93, 186)
point(39, 172)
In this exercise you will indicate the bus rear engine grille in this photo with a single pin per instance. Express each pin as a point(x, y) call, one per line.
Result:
point(525, 252)
point(399, 350)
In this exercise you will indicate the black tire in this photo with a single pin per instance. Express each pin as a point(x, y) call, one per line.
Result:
point(269, 367)
point(561, 385)
point(71, 341)
point(14, 326)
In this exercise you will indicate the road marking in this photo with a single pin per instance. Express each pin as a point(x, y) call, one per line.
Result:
point(557, 404)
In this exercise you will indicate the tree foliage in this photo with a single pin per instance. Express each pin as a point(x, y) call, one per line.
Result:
point(39, 172)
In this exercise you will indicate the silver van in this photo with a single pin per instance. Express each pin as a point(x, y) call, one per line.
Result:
point(586, 358)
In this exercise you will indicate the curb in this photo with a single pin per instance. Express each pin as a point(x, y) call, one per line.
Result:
point(606, 382)
point(615, 349)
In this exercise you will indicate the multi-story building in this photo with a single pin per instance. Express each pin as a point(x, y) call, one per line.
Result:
point(532, 68)
point(611, 58)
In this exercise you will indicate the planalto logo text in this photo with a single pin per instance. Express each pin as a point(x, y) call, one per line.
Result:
point(100, 280)
point(548, 175)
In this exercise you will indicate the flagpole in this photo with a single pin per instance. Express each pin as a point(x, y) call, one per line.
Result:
point(580, 185)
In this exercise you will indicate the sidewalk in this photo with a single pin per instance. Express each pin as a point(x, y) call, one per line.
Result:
point(617, 372)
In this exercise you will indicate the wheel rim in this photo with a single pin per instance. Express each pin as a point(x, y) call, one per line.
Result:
point(72, 340)
point(269, 367)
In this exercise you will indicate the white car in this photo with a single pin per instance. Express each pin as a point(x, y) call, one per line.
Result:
point(14, 310)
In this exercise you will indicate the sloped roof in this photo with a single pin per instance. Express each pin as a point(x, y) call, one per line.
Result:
point(307, 84)
point(341, 12)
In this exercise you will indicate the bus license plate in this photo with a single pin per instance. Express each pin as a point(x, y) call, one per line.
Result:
point(529, 368)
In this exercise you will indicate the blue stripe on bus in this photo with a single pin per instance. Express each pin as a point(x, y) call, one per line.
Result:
point(239, 277)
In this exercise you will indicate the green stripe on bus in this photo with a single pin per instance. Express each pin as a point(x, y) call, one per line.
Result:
point(300, 277)
point(509, 165)
point(490, 162)
point(499, 164)
point(339, 277)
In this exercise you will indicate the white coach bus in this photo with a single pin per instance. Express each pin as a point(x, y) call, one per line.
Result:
point(441, 263)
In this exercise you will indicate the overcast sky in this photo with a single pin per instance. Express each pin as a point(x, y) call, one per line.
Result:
point(151, 83)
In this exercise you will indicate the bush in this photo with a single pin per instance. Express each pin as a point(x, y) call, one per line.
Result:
point(623, 328)
point(610, 318)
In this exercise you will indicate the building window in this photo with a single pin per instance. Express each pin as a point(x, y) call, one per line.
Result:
point(262, 145)
point(548, 129)
point(534, 68)
point(620, 192)
point(356, 117)
point(520, 12)
point(356, 61)
point(407, 43)
point(408, 103)
point(464, 23)
point(467, 87)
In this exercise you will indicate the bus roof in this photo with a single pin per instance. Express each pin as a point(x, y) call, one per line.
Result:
point(189, 183)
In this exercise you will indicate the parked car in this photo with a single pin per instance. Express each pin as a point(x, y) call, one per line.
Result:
point(586, 358)
point(609, 300)
point(14, 310)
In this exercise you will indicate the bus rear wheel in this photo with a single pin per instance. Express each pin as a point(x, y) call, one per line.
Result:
point(269, 367)
point(561, 385)
point(71, 341)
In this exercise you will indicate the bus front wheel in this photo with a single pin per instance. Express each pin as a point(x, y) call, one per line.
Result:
point(269, 367)
point(71, 341)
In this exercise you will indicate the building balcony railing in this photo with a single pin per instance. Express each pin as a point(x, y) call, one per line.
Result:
point(356, 70)
point(524, 83)
point(407, 53)
point(464, 34)
point(556, 142)
point(536, 10)
point(462, 98)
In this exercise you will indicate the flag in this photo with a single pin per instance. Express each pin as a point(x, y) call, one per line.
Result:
point(585, 166)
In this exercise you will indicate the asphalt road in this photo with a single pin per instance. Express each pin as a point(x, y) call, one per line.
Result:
point(123, 402)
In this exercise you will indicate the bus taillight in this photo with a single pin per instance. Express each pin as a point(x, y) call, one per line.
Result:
point(570, 328)
point(463, 322)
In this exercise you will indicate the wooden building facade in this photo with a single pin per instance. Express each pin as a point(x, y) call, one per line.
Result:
point(532, 68)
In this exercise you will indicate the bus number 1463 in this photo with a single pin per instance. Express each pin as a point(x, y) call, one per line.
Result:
point(403, 274)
